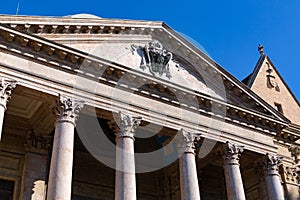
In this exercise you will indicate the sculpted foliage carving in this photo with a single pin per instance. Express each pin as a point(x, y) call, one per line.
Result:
point(127, 124)
point(232, 152)
point(67, 109)
point(186, 141)
point(6, 88)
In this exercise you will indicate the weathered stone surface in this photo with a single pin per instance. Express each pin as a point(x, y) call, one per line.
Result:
point(125, 184)
point(60, 175)
point(233, 178)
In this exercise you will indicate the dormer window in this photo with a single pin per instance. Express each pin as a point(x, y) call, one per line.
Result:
point(278, 107)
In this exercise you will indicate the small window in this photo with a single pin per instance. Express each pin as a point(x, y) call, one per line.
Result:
point(278, 107)
point(6, 189)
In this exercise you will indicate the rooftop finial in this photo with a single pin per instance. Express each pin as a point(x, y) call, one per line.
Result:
point(261, 49)
point(18, 6)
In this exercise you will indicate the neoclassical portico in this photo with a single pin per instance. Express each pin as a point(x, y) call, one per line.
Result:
point(60, 175)
point(154, 74)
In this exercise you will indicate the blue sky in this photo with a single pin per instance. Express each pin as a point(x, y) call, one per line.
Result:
point(230, 31)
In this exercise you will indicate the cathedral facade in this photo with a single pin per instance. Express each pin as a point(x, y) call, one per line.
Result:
point(95, 109)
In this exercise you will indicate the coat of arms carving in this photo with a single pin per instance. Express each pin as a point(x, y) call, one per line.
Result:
point(156, 58)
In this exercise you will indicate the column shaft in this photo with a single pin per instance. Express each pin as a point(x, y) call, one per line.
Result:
point(188, 177)
point(272, 178)
point(2, 111)
point(233, 178)
point(189, 186)
point(274, 187)
point(234, 183)
point(125, 183)
point(60, 177)
point(125, 170)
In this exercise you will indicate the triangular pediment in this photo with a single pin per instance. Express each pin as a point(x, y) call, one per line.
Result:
point(266, 81)
point(186, 71)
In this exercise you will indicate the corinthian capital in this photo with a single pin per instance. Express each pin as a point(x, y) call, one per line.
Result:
point(127, 124)
point(186, 141)
point(272, 163)
point(6, 88)
point(232, 153)
point(67, 109)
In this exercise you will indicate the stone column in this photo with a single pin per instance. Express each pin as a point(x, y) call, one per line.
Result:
point(272, 177)
point(60, 176)
point(233, 178)
point(125, 183)
point(189, 186)
point(6, 88)
point(34, 178)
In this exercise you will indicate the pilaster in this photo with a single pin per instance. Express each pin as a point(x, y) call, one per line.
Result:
point(34, 178)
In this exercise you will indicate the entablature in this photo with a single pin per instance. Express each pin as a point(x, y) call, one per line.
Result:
point(153, 87)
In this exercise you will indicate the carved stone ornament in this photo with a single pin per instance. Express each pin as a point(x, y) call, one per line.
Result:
point(6, 88)
point(155, 57)
point(271, 80)
point(295, 151)
point(290, 174)
point(127, 124)
point(37, 143)
point(232, 153)
point(186, 141)
point(272, 163)
point(67, 109)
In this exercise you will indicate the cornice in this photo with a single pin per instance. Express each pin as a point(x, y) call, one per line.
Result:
point(59, 26)
point(289, 134)
point(66, 25)
point(70, 59)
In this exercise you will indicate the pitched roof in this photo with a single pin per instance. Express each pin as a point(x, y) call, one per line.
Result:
point(249, 80)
